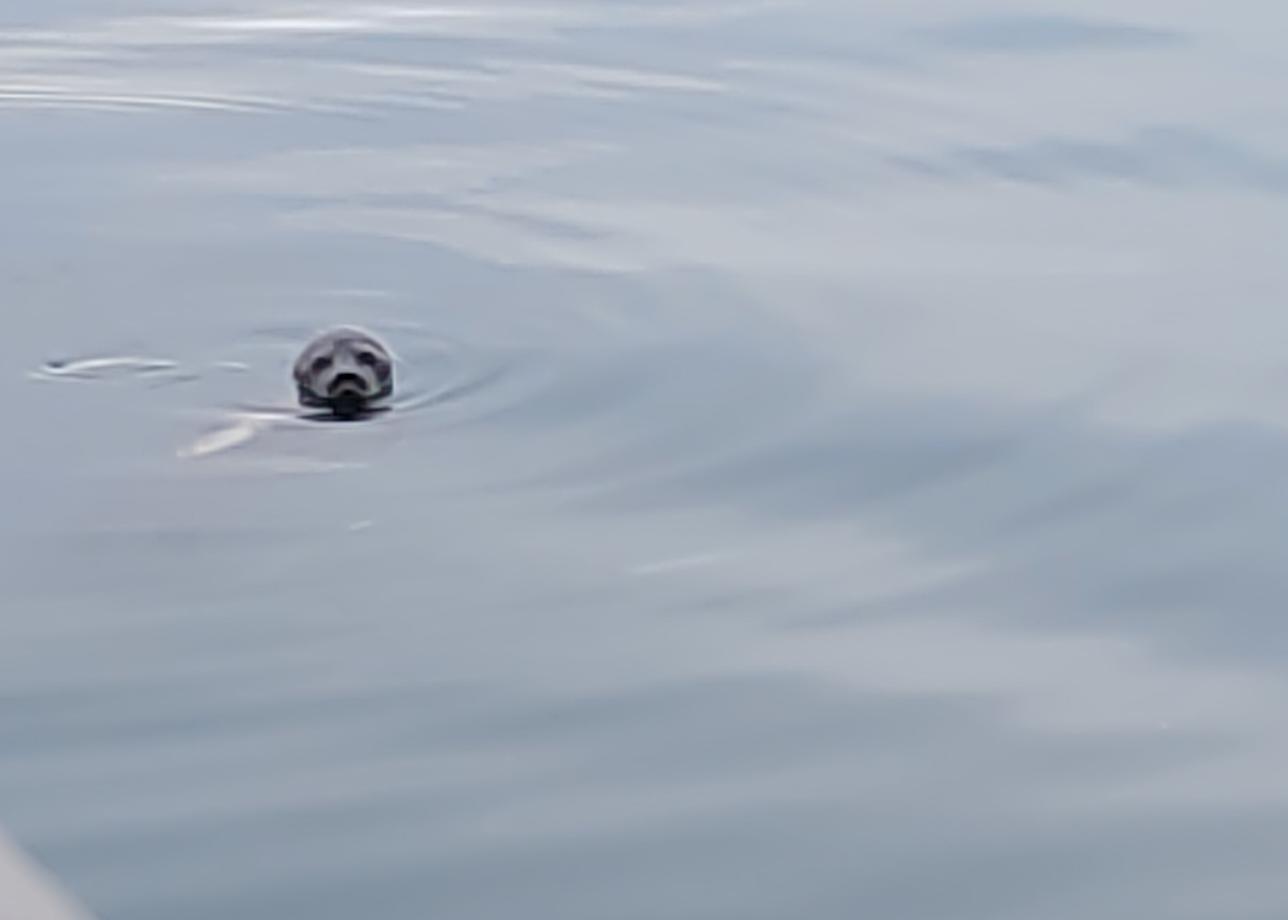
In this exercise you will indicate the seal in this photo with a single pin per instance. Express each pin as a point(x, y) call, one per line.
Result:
point(346, 371)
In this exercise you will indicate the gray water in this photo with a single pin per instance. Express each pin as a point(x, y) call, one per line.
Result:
point(841, 471)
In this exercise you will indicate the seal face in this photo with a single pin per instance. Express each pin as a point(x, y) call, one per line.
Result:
point(345, 370)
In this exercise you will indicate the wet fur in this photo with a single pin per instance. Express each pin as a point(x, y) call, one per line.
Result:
point(346, 371)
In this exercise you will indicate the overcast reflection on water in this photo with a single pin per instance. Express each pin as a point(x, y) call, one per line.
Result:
point(841, 472)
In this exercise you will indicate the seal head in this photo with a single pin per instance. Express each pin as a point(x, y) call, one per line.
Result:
point(346, 371)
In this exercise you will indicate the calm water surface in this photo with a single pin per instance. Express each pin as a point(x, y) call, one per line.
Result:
point(843, 472)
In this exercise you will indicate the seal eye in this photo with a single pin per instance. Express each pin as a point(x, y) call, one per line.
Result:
point(368, 358)
point(321, 363)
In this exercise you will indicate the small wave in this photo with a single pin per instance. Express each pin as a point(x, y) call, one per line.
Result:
point(105, 368)
point(241, 430)
point(108, 101)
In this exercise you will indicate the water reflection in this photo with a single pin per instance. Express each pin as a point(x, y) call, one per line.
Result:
point(1046, 34)
point(841, 472)
point(1166, 157)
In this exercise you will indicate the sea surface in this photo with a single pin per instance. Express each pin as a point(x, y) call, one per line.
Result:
point(840, 468)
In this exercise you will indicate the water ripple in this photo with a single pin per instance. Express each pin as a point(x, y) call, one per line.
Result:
point(1045, 34)
point(820, 425)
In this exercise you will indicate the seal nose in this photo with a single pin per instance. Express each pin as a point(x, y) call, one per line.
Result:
point(347, 383)
point(347, 394)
